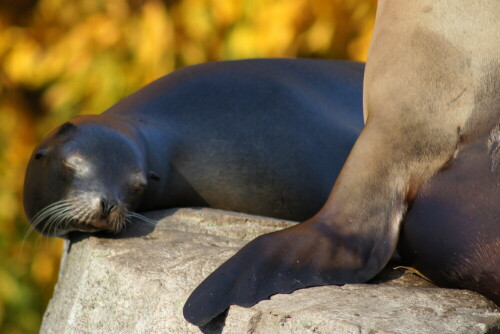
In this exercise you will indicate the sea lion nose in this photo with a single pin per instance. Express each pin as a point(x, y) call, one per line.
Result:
point(107, 207)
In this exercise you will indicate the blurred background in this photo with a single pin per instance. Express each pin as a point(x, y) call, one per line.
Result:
point(62, 58)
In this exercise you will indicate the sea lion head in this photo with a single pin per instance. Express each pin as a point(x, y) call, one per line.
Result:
point(87, 175)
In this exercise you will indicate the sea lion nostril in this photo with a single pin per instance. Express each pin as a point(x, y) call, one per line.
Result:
point(107, 207)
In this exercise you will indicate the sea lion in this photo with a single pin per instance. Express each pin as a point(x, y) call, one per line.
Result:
point(451, 233)
point(266, 137)
point(430, 89)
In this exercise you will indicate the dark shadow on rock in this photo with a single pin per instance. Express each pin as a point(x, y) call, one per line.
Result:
point(392, 274)
point(494, 330)
point(216, 325)
point(76, 237)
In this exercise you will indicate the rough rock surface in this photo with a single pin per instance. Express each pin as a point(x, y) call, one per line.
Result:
point(138, 282)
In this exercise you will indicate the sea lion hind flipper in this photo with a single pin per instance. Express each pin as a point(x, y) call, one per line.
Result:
point(279, 262)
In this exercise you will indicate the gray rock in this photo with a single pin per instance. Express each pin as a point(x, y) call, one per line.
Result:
point(138, 282)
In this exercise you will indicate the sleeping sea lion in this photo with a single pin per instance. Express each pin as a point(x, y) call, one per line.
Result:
point(228, 135)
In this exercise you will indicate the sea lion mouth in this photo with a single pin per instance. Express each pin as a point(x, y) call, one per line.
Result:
point(77, 214)
point(82, 213)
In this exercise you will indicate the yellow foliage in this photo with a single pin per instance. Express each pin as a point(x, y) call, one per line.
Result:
point(42, 268)
point(153, 39)
point(225, 11)
point(20, 61)
point(9, 288)
point(319, 35)
point(62, 58)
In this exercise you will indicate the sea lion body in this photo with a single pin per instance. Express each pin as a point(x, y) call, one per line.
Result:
point(451, 233)
point(266, 137)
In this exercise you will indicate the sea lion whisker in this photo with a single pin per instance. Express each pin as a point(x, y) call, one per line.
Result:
point(53, 222)
point(49, 212)
point(64, 217)
point(45, 212)
point(61, 215)
point(47, 225)
point(127, 220)
point(141, 217)
point(118, 221)
point(89, 215)
point(47, 209)
point(121, 220)
point(116, 224)
point(83, 212)
point(38, 218)
point(80, 213)
point(62, 210)
point(52, 226)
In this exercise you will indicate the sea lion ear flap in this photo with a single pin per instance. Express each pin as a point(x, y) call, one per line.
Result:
point(152, 175)
point(65, 128)
point(41, 153)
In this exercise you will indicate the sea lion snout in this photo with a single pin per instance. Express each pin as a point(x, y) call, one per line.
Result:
point(107, 206)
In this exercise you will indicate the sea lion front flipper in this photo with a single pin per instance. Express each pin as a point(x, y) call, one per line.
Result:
point(279, 262)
